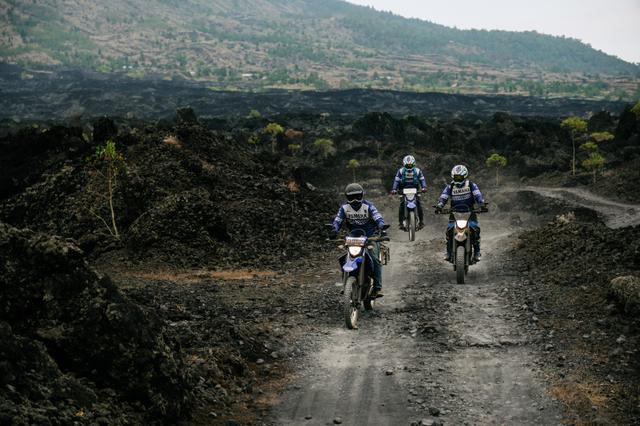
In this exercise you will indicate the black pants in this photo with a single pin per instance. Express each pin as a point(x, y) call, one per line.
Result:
point(401, 210)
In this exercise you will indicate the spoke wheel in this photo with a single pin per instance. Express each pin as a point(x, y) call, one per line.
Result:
point(460, 264)
point(350, 309)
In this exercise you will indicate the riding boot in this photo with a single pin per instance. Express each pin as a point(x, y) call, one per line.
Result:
point(447, 254)
point(401, 216)
point(476, 251)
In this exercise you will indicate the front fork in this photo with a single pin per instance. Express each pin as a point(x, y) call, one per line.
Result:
point(405, 216)
point(357, 296)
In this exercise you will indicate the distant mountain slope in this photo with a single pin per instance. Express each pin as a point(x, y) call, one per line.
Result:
point(301, 44)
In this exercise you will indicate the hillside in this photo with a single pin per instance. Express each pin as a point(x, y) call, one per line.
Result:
point(257, 44)
point(214, 304)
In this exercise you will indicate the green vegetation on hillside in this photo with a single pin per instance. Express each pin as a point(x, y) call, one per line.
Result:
point(249, 45)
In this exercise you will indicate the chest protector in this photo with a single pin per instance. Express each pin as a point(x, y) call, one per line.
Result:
point(409, 177)
point(357, 217)
point(461, 194)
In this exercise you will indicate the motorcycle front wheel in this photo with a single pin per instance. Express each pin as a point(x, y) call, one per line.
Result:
point(460, 264)
point(349, 308)
point(412, 225)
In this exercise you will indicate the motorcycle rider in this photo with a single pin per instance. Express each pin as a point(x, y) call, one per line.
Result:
point(361, 214)
point(409, 176)
point(464, 194)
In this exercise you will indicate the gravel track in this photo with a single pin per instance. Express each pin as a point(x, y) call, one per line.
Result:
point(433, 350)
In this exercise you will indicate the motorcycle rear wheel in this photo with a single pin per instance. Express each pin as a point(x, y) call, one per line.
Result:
point(350, 309)
point(460, 264)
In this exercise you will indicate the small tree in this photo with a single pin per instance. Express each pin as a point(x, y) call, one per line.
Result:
point(254, 140)
point(576, 126)
point(594, 163)
point(601, 136)
point(273, 130)
point(294, 148)
point(108, 164)
point(353, 164)
point(325, 146)
point(498, 161)
point(254, 113)
point(636, 110)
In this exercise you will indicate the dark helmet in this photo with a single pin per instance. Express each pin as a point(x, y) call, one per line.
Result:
point(355, 194)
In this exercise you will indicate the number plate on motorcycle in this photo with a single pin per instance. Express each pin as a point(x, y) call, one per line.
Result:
point(355, 241)
point(410, 191)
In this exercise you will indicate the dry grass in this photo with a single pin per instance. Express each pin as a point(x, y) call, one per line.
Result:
point(292, 186)
point(172, 141)
point(207, 166)
point(582, 399)
point(195, 276)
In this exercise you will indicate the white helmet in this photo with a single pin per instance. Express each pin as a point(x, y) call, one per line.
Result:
point(459, 174)
point(409, 162)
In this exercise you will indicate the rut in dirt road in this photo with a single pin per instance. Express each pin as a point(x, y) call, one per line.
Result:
point(431, 348)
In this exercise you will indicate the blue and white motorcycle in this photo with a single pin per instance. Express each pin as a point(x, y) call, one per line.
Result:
point(462, 237)
point(410, 204)
point(357, 273)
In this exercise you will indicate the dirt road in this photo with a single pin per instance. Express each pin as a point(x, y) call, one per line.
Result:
point(433, 350)
point(614, 214)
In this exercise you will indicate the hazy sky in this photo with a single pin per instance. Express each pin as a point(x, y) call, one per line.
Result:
point(612, 26)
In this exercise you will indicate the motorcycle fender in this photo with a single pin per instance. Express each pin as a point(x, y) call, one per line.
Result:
point(461, 236)
point(351, 265)
point(411, 205)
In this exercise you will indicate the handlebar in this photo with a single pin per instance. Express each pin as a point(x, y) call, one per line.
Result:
point(377, 239)
point(449, 211)
point(484, 209)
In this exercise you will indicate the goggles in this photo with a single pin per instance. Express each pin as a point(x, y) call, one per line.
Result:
point(354, 197)
point(458, 178)
point(409, 166)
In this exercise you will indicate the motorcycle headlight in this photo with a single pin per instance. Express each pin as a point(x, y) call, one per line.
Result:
point(355, 250)
point(461, 223)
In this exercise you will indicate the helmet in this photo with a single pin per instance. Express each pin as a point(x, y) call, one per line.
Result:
point(459, 174)
point(355, 194)
point(409, 162)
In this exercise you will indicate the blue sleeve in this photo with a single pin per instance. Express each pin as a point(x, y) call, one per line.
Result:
point(337, 221)
point(375, 215)
point(444, 197)
point(476, 193)
point(423, 181)
point(397, 180)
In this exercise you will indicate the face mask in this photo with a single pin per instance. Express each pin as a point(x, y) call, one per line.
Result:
point(356, 204)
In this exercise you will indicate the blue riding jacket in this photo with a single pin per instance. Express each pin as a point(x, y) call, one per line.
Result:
point(409, 178)
point(367, 218)
point(465, 195)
